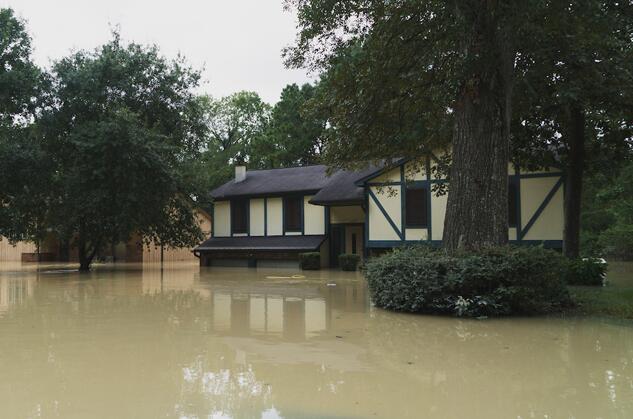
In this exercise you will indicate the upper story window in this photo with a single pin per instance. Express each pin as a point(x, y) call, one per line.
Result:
point(239, 216)
point(416, 207)
point(292, 213)
point(513, 204)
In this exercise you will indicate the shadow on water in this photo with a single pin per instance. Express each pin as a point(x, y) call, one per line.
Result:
point(190, 342)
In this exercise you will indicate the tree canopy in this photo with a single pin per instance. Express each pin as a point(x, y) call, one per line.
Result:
point(400, 78)
point(575, 92)
point(21, 86)
point(122, 127)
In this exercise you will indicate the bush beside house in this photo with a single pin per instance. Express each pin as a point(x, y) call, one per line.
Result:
point(495, 282)
point(348, 262)
point(310, 261)
point(585, 272)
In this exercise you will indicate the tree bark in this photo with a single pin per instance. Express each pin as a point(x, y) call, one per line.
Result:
point(477, 206)
point(86, 253)
point(573, 184)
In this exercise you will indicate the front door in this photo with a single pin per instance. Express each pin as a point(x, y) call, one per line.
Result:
point(337, 244)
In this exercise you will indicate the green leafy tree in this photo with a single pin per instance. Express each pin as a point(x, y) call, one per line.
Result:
point(123, 127)
point(607, 214)
point(295, 134)
point(234, 124)
point(23, 168)
point(403, 77)
point(575, 96)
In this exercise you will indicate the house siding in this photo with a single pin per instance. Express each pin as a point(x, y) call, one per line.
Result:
point(540, 207)
point(314, 217)
point(222, 219)
point(274, 219)
point(257, 214)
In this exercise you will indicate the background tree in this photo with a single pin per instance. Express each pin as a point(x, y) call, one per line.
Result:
point(294, 135)
point(234, 123)
point(576, 95)
point(607, 212)
point(23, 169)
point(123, 126)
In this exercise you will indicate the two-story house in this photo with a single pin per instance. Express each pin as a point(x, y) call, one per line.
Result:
point(267, 217)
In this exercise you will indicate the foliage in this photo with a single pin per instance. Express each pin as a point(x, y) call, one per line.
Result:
point(121, 130)
point(573, 96)
point(235, 121)
point(498, 281)
point(294, 136)
point(310, 261)
point(21, 88)
point(348, 262)
point(244, 129)
point(585, 271)
point(20, 79)
point(614, 299)
point(608, 213)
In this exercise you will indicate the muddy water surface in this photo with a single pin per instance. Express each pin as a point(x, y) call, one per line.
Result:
point(141, 342)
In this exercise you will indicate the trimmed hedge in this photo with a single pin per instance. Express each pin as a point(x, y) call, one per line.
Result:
point(348, 262)
point(310, 261)
point(495, 282)
point(585, 272)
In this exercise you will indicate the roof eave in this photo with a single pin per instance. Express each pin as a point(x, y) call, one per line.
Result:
point(361, 182)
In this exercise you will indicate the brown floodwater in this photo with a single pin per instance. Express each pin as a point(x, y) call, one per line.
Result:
point(129, 341)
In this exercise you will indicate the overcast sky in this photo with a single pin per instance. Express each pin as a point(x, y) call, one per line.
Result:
point(238, 42)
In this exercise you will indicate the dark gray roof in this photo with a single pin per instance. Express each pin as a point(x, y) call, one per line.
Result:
point(275, 181)
point(276, 243)
point(337, 188)
point(341, 189)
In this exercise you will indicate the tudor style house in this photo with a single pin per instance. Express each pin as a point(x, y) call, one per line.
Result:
point(267, 217)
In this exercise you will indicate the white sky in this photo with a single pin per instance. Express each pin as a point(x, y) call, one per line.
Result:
point(238, 42)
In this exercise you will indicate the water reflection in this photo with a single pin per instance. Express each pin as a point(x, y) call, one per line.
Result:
point(14, 291)
point(189, 343)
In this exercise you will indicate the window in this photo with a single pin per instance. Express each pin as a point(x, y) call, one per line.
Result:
point(513, 201)
point(292, 213)
point(416, 209)
point(239, 216)
point(354, 243)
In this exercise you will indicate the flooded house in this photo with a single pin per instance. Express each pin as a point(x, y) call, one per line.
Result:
point(51, 249)
point(267, 218)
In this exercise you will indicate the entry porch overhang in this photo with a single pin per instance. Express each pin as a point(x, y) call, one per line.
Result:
point(262, 244)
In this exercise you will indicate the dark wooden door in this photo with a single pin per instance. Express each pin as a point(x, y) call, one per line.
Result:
point(337, 244)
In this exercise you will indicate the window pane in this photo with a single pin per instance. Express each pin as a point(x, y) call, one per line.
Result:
point(416, 211)
point(239, 216)
point(513, 200)
point(292, 213)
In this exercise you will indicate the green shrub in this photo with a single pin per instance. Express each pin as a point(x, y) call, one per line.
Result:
point(310, 261)
point(585, 272)
point(617, 241)
point(497, 281)
point(348, 262)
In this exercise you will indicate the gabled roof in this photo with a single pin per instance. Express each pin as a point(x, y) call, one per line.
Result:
point(268, 243)
point(342, 188)
point(275, 181)
point(339, 188)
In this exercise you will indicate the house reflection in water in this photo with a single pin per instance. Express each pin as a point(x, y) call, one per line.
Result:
point(14, 292)
point(254, 302)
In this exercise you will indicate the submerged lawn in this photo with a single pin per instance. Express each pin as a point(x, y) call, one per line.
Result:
point(615, 299)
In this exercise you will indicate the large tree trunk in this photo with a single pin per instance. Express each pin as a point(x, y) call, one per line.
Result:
point(477, 207)
point(573, 184)
point(87, 252)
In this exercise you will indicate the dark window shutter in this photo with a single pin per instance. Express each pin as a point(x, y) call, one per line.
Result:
point(292, 213)
point(416, 207)
point(239, 216)
point(513, 203)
